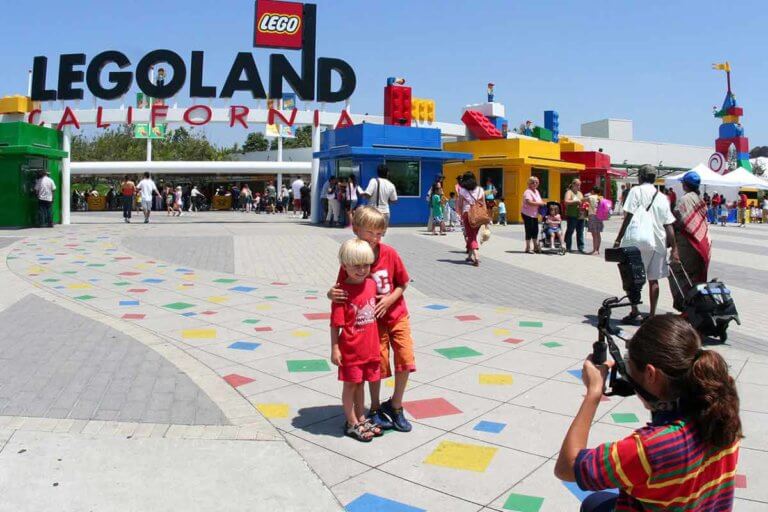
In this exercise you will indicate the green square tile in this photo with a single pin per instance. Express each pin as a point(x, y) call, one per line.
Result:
point(271, 297)
point(251, 321)
point(525, 323)
point(310, 291)
point(456, 352)
point(308, 365)
point(625, 417)
point(225, 280)
point(12, 257)
point(523, 503)
point(85, 297)
point(121, 283)
point(95, 265)
point(552, 344)
point(70, 272)
point(51, 280)
point(179, 305)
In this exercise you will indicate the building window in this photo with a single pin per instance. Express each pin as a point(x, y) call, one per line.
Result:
point(344, 168)
point(406, 176)
point(543, 175)
point(497, 178)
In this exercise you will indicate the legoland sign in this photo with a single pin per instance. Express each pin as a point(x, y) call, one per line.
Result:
point(277, 25)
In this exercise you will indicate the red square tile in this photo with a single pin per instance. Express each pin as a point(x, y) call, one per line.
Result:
point(262, 329)
point(137, 290)
point(467, 318)
point(133, 316)
point(311, 298)
point(277, 283)
point(317, 316)
point(187, 284)
point(236, 380)
point(33, 275)
point(208, 313)
point(513, 341)
point(430, 408)
point(129, 273)
point(123, 257)
point(740, 481)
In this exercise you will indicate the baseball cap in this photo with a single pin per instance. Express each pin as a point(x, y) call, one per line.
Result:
point(692, 179)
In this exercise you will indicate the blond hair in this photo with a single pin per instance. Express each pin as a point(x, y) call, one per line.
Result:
point(370, 218)
point(533, 179)
point(355, 252)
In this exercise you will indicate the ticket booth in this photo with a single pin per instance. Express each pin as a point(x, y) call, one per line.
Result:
point(26, 151)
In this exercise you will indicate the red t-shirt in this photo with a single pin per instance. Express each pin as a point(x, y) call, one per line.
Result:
point(359, 339)
point(716, 200)
point(388, 272)
point(742, 201)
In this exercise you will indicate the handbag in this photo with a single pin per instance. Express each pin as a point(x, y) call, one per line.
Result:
point(485, 233)
point(640, 232)
point(478, 214)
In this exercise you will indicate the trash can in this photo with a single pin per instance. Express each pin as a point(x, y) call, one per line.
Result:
point(26, 151)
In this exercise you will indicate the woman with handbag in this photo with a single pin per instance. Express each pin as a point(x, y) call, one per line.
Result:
point(471, 203)
point(530, 210)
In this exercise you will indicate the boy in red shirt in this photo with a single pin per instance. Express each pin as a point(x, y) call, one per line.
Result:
point(355, 337)
point(391, 278)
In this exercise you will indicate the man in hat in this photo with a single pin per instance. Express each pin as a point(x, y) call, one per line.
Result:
point(652, 238)
point(692, 238)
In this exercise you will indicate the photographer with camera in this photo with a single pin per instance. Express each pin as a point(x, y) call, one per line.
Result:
point(686, 457)
point(648, 225)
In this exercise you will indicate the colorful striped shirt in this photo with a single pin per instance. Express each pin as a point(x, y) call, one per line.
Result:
point(662, 466)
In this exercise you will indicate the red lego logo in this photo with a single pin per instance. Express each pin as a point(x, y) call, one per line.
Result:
point(278, 24)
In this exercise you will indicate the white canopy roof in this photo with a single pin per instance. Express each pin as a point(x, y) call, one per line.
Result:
point(707, 175)
point(743, 178)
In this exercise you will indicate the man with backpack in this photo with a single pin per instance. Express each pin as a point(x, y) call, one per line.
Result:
point(649, 226)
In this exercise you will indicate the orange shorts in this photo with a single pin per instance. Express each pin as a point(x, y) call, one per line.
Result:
point(397, 336)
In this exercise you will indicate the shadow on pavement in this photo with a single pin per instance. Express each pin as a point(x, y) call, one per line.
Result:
point(325, 420)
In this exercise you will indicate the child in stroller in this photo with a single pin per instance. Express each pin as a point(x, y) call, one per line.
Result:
point(551, 228)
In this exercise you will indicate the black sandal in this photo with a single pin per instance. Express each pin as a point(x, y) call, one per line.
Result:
point(632, 319)
point(358, 432)
point(372, 427)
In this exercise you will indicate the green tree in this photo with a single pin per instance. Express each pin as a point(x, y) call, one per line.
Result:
point(256, 141)
point(303, 138)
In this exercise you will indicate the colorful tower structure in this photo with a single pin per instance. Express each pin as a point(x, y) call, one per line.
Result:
point(731, 143)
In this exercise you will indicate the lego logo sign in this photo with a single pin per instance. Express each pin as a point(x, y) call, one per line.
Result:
point(278, 24)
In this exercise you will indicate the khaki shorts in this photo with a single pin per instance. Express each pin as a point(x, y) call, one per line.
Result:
point(397, 336)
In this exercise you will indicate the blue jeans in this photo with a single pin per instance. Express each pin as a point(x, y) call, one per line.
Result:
point(575, 224)
point(127, 206)
point(601, 501)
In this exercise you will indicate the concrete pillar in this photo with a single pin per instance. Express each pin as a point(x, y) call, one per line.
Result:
point(315, 180)
point(66, 178)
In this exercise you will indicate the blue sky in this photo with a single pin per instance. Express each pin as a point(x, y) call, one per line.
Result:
point(646, 61)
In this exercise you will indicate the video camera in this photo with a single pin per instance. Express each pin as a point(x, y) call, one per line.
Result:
point(632, 273)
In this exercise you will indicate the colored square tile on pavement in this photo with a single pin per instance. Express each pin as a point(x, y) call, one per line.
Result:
point(236, 380)
point(218, 299)
point(457, 352)
point(513, 341)
point(244, 345)
point(273, 410)
point(552, 344)
point(277, 283)
point(129, 274)
point(189, 314)
point(526, 323)
point(317, 316)
point(133, 316)
point(137, 290)
point(371, 503)
point(242, 289)
point(465, 456)
point(262, 307)
point(625, 417)
point(495, 379)
point(80, 286)
point(576, 374)
point(262, 329)
point(179, 305)
point(85, 297)
point(251, 321)
point(129, 303)
point(489, 426)
point(121, 283)
point(467, 318)
point(152, 280)
point(198, 334)
point(501, 332)
point(436, 307)
point(740, 481)
point(300, 333)
point(430, 408)
point(307, 365)
point(523, 503)
point(225, 280)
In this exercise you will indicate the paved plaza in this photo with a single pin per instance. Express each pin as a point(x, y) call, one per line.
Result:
point(183, 365)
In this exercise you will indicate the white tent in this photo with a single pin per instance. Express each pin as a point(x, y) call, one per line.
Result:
point(743, 178)
point(707, 175)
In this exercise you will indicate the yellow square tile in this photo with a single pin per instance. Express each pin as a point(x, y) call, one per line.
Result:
point(198, 334)
point(160, 270)
point(501, 332)
point(390, 383)
point(36, 269)
point(301, 334)
point(80, 286)
point(217, 299)
point(262, 307)
point(469, 457)
point(498, 379)
point(141, 266)
point(190, 277)
point(503, 310)
point(273, 410)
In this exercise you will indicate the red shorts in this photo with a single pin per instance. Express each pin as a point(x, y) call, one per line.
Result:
point(366, 372)
point(397, 337)
point(297, 204)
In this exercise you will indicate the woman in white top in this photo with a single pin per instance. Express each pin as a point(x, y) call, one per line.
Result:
point(354, 191)
point(470, 193)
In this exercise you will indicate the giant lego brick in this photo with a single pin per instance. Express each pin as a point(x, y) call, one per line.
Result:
point(490, 109)
point(735, 111)
point(723, 145)
point(15, 105)
point(730, 131)
point(590, 159)
point(479, 125)
point(743, 156)
point(499, 123)
point(423, 109)
point(552, 122)
point(542, 133)
point(397, 105)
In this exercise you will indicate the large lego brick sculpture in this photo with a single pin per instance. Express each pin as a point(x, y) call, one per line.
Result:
point(731, 145)
point(479, 125)
point(397, 105)
point(552, 123)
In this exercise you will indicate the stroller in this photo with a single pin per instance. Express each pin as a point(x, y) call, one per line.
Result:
point(708, 307)
point(556, 246)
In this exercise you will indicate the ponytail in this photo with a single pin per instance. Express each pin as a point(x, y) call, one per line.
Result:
point(699, 378)
point(713, 402)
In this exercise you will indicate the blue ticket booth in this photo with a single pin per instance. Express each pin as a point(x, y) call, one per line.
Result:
point(413, 155)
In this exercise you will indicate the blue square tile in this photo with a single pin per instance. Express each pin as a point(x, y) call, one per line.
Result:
point(436, 307)
point(490, 426)
point(60, 287)
point(129, 303)
point(371, 503)
point(244, 289)
point(581, 495)
point(152, 280)
point(189, 313)
point(576, 373)
point(94, 280)
point(183, 270)
point(244, 345)
point(45, 259)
